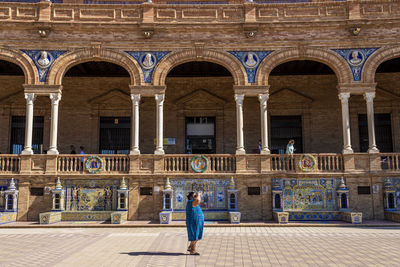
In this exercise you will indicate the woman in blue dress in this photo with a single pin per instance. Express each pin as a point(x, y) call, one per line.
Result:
point(194, 221)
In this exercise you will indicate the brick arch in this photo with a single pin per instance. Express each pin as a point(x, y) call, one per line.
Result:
point(327, 57)
point(371, 65)
point(24, 62)
point(177, 58)
point(68, 60)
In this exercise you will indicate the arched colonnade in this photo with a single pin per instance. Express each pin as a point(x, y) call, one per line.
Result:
point(148, 74)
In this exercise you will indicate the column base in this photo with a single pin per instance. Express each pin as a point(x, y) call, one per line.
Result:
point(240, 151)
point(347, 150)
point(265, 151)
point(373, 150)
point(53, 151)
point(27, 151)
point(159, 151)
point(134, 152)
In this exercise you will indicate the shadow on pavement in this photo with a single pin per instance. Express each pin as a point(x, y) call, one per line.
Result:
point(149, 253)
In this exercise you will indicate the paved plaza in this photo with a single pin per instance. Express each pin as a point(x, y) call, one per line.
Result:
point(221, 246)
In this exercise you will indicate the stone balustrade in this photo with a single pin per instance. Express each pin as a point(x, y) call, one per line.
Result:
point(390, 161)
point(216, 163)
point(76, 163)
point(9, 163)
point(230, 11)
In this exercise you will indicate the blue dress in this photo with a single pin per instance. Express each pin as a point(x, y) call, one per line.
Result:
point(194, 221)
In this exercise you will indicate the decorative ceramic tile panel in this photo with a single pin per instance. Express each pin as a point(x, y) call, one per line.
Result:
point(251, 61)
point(356, 59)
point(148, 61)
point(214, 193)
point(309, 194)
point(43, 60)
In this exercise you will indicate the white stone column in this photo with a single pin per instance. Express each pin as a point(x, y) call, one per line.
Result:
point(30, 98)
point(263, 98)
point(135, 125)
point(55, 99)
point(369, 98)
point(239, 124)
point(160, 105)
point(344, 97)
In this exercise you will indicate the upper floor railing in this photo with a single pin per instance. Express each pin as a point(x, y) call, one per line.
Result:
point(198, 164)
point(80, 164)
point(9, 164)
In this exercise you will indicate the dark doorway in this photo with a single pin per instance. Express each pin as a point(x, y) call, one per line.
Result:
point(383, 132)
point(283, 129)
point(115, 135)
point(17, 139)
point(200, 135)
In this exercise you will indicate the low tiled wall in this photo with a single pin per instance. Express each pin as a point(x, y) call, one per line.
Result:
point(314, 215)
point(7, 217)
point(86, 215)
point(118, 217)
point(352, 217)
point(50, 217)
point(208, 215)
point(393, 216)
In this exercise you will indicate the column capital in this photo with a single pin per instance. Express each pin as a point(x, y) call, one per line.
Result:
point(369, 97)
point(30, 98)
point(239, 98)
point(135, 98)
point(55, 98)
point(159, 98)
point(344, 97)
point(263, 98)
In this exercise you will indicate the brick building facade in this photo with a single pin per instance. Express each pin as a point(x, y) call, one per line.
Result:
point(144, 87)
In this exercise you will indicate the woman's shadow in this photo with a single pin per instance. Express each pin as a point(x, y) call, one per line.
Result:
point(149, 253)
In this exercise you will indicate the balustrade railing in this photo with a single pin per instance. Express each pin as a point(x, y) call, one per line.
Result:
point(323, 162)
point(330, 162)
point(283, 162)
point(390, 161)
point(10, 163)
point(216, 163)
point(76, 163)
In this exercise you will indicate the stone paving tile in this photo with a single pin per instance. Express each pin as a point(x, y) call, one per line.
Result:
point(237, 246)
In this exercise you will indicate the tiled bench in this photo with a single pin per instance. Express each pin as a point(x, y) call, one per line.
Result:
point(116, 217)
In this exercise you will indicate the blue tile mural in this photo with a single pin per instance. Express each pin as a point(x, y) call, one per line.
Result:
point(43, 60)
point(356, 59)
point(148, 60)
point(214, 193)
point(308, 194)
point(251, 61)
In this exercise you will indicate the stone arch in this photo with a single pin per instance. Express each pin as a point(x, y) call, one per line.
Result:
point(67, 61)
point(222, 58)
point(377, 58)
point(327, 57)
point(24, 62)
